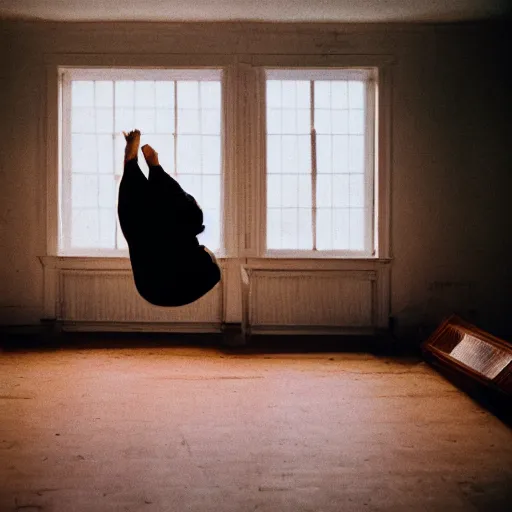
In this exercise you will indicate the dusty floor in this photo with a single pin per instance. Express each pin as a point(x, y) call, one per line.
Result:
point(172, 429)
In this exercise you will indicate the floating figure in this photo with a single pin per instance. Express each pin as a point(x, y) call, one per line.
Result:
point(160, 222)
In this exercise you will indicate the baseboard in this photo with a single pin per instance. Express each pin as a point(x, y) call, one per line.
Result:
point(312, 329)
point(162, 327)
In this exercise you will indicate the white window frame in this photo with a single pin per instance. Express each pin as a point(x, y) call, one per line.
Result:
point(369, 77)
point(243, 152)
point(67, 75)
point(380, 67)
point(135, 66)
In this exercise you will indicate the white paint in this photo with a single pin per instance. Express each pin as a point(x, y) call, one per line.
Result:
point(248, 10)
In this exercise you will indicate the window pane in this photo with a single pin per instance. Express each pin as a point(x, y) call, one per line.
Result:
point(303, 94)
point(104, 120)
point(324, 191)
point(357, 229)
point(211, 192)
point(356, 122)
point(188, 121)
point(322, 94)
point(188, 95)
point(356, 153)
point(145, 94)
point(273, 191)
point(83, 153)
point(340, 121)
point(164, 120)
point(211, 95)
point(304, 191)
point(107, 229)
point(341, 227)
point(84, 192)
point(356, 190)
point(107, 191)
point(341, 191)
point(145, 120)
point(274, 120)
point(85, 231)
point(305, 229)
point(82, 93)
point(289, 94)
point(339, 91)
point(340, 153)
point(125, 119)
point(273, 228)
point(83, 120)
point(189, 154)
point(324, 154)
point(273, 93)
point(290, 153)
point(210, 122)
point(274, 154)
point(304, 121)
point(104, 94)
point(356, 94)
point(119, 145)
point(324, 228)
point(125, 93)
point(164, 94)
point(323, 121)
point(101, 110)
point(211, 156)
point(290, 190)
point(289, 227)
point(105, 153)
point(304, 154)
point(289, 121)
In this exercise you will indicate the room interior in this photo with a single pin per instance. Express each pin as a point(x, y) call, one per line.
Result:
point(297, 383)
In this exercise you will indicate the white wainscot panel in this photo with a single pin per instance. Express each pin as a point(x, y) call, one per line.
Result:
point(329, 299)
point(348, 296)
point(111, 296)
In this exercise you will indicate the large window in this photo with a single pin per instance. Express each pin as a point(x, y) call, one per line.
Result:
point(320, 160)
point(288, 157)
point(178, 113)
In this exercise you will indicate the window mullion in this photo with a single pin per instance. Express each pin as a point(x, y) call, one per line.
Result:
point(175, 128)
point(313, 164)
point(117, 181)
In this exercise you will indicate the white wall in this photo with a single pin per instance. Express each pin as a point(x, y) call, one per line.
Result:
point(451, 154)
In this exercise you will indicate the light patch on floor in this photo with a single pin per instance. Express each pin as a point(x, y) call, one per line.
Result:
point(170, 429)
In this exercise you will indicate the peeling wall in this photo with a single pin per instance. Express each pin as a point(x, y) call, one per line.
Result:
point(451, 154)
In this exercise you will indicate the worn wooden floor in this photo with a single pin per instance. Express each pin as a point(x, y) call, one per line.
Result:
point(184, 429)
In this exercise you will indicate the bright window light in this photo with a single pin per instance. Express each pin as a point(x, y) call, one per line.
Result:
point(178, 113)
point(320, 156)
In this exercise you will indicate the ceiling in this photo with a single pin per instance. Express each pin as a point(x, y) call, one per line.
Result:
point(256, 10)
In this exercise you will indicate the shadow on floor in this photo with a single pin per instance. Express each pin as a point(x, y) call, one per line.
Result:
point(256, 344)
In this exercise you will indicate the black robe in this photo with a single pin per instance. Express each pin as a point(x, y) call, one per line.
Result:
point(160, 222)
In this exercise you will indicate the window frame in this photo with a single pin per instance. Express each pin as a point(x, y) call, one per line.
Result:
point(243, 151)
point(66, 76)
point(368, 75)
point(136, 64)
point(255, 246)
